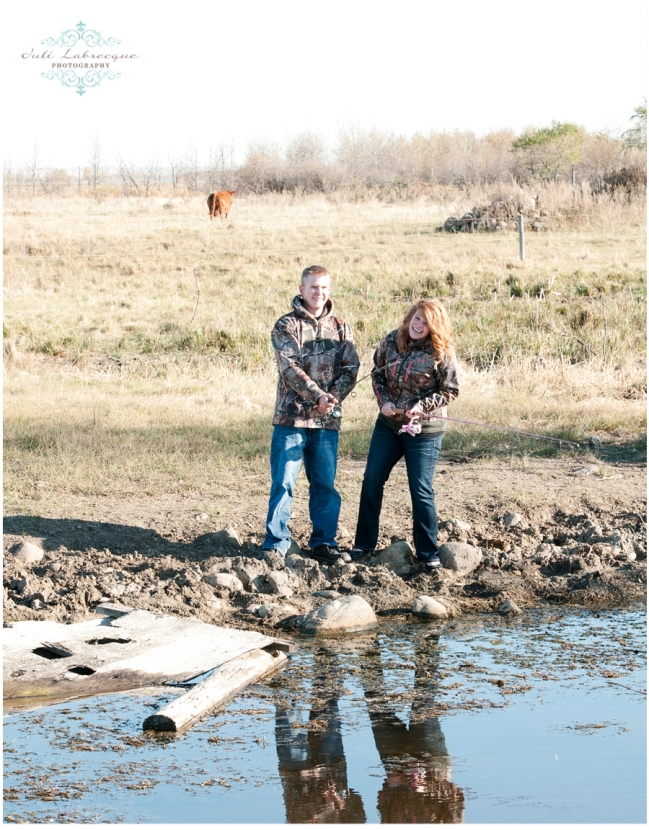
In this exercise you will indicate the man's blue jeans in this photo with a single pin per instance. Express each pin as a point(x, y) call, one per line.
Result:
point(421, 453)
point(318, 447)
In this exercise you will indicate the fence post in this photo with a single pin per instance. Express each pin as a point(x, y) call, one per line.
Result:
point(521, 236)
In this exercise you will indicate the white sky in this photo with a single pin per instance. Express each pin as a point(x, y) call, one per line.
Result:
point(246, 70)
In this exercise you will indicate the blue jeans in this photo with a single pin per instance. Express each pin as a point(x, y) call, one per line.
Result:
point(421, 452)
point(318, 447)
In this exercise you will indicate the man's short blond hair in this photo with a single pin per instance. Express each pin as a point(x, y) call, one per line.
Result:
point(313, 271)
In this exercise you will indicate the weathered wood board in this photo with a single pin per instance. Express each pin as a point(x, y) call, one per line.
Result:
point(215, 690)
point(116, 653)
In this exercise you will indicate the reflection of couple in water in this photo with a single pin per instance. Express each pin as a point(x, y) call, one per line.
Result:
point(417, 786)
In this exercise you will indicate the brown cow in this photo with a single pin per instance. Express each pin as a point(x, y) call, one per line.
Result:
point(220, 203)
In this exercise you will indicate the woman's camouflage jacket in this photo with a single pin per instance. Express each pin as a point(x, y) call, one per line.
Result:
point(416, 377)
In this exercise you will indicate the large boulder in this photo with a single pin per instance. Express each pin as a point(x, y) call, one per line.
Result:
point(429, 608)
point(347, 614)
point(459, 557)
point(399, 558)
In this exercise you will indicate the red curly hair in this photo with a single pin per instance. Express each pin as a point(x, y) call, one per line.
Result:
point(439, 323)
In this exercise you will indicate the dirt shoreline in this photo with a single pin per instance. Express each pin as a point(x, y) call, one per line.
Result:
point(581, 540)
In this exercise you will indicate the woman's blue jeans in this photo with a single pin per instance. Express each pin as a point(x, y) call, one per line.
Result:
point(318, 448)
point(421, 453)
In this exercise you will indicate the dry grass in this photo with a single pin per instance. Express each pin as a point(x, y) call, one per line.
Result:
point(116, 383)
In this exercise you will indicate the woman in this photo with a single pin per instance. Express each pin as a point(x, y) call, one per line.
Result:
point(415, 375)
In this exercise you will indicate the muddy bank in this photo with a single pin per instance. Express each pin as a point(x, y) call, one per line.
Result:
point(592, 557)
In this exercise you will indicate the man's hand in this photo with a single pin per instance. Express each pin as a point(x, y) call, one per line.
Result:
point(325, 403)
point(389, 409)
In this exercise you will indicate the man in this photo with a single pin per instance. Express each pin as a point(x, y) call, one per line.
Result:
point(318, 365)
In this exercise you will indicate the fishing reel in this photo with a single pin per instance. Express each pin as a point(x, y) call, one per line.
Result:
point(301, 407)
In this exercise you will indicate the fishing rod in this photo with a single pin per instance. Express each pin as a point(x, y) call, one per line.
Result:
point(412, 428)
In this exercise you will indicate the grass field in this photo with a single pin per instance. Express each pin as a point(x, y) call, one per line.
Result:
point(137, 351)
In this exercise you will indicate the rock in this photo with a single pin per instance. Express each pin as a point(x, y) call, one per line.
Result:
point(398, 557)
point(326, 594)
point(509, 609)
point(228, 537)
point(271, 609)
point(250, 571)
point(295, 562)
point(345, 614)
point(279, 583)
point(343, 533)
point(294, 548)
point(224, 580)
point(594, 441)
point(36, 604)
point(428, 607)
point(274, 560)
point(345, 557)
point(512, 519)
point(260, 583)
point(592, 530)
point(615, 539)
point(215, 604)
point(28, 553)
point(457, 524)
point(587, 470)
point(459, 557)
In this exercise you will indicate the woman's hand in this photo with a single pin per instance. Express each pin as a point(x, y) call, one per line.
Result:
point(388, 409)
point(417, 409)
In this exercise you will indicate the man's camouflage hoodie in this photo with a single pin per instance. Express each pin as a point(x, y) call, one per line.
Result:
point(314, 356)
point(415, 377)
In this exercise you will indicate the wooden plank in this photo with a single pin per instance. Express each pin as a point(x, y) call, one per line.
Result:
point(115, 653)
point(113, 609)
point(283, 645)
point(58, 649)
point(220, 686)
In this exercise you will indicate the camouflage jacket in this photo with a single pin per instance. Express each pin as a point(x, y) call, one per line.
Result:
point(314, 356)
point(416, 377)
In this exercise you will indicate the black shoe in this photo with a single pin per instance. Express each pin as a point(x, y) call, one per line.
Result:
point(430, 565)
point(359, 553)
point(326, 554)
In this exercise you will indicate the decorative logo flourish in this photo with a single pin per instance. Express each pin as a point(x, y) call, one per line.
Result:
point(69, 77)
point(71, 37)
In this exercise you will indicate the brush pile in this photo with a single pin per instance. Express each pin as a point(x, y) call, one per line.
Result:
point(499, 215)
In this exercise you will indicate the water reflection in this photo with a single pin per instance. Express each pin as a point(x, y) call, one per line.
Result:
point(312, 766)
point(417, 786)
point(312, 763)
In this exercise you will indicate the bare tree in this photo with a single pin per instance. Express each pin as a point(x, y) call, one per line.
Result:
point(96, 165)
point(177, 170)
point(33, 168)
point(191, 172)
point(127, 175)
point(150, 175)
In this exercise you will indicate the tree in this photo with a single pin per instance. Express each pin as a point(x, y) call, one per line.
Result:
point(637, 135)
point(33, 170)
point(547, 153)
point(96, 165)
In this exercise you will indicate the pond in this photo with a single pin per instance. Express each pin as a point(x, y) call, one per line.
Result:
point(536, 719)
